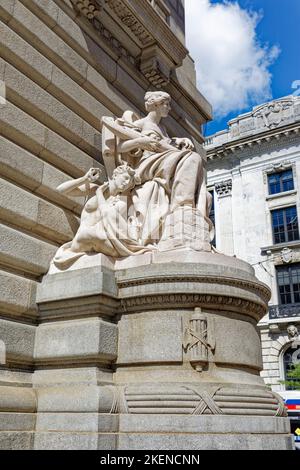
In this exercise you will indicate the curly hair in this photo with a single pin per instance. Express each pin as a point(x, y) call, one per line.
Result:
point(134, 178)
point(154, 98)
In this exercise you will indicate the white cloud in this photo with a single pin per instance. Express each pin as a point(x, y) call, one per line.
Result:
point(232, 65)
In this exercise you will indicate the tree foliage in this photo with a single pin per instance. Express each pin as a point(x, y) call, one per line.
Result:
point(293, 378)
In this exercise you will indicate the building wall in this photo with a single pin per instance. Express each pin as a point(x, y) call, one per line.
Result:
point(61, 70)
point(238, 166)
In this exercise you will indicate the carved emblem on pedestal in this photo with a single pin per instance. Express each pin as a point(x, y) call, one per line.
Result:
point(199, 339)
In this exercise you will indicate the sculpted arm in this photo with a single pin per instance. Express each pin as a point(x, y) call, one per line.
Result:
point(144, 143)
point(82, 186)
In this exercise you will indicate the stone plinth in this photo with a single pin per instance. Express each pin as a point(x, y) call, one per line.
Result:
point(157, 351)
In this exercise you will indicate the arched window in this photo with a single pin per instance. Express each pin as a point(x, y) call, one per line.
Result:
point(290, 358)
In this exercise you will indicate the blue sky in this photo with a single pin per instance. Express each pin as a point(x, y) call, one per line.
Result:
point(276, 41)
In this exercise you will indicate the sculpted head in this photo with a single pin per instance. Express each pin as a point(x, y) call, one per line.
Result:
point(158, 101)
point(124, 178)
point(292, 331)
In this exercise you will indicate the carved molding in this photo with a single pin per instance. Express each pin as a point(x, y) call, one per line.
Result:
point(168, 300)
point(113, 42)
point(224, 188)
point(88, 8)
point(254, 287)
point(268, 141)
point(126, 16)
point(277, 167)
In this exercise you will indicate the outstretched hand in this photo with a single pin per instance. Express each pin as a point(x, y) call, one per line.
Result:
point(93, 174)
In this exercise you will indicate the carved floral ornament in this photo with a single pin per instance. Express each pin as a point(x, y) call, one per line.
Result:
point(224, 188)
point(88, 8)
point(272, 114)
point(277, 167)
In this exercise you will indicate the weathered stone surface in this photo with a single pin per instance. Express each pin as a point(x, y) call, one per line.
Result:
point(141, 341)
point(17, 422)
point(74, 441)
point(83, 422)
point(19, 341)
point(17, 295)
point(19, 399)
point(47, 41)
point(24, 252)
point(25, 210)
point(74, 398)
point(16, 440)
point(79, 283)
point(198, 442)
point(76, 340)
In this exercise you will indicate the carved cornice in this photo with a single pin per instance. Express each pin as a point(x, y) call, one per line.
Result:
point(125, 14)
point(246, 145)
point(254, 287)
point(192, 300)
point(148, 26)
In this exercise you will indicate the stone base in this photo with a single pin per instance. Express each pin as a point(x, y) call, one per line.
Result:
point(158, 351)
point(157, 432)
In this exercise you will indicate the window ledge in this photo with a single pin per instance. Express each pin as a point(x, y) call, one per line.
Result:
point(284, 193)
point(280, 246)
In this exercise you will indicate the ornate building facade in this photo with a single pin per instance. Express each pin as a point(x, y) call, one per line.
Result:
point(254, 175)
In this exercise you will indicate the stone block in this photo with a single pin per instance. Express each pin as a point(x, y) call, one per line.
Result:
point(71, 398)
point(17, 295)
point(26, 210)
point(74, 96)
point(56, 223)
point(25, 57)
point(66, 156)
point(76, 340)
point(129, 423)
point(196, 442)
point(74, 441)
point(47, 42)
point(43, 106)
point(17, 206)
point(24, 252)
point(47, 11)
point(17, 440)
point(21, 166)
point(6, 10)
point(51, 179)
point(83, 375)
point(77, 284)
point(17, 422)
point(142, 341)
point(72, 422)
point(241, 349)
point(19, 399)
point(21, 128)
point(18, 339)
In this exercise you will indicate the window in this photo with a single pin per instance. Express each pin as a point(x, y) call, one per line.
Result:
point(291, 357)
point(288, 281)
point(280, 182)
point(285, 225)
